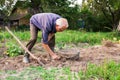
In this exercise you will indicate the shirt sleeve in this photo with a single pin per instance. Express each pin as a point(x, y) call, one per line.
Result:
point(45, 37)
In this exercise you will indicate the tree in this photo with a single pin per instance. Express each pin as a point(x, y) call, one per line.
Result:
point(5, 9)
point(63, 8)
point(6, 6)
point(109, 8)
point(60, 7)
point(2, 3)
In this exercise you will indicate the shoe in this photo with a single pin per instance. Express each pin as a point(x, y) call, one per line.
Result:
point(26, 59)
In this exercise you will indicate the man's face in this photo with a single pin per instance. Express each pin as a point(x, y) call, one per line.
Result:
point(60, 29)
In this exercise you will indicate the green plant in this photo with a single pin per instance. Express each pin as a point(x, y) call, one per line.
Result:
point(107, 71)
point(13, 50)
point(68, 36)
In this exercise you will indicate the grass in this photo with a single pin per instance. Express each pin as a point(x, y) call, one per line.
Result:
point(91, 38)
point(68, 36)
point(106, 71)
point(62, 38)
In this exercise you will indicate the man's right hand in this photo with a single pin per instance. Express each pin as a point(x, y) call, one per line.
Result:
point(51, 53)
point(55, 57)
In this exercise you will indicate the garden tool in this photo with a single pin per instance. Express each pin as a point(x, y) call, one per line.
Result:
point(34, 57)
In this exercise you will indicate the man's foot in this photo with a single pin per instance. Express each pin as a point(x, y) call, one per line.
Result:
point(26, 59)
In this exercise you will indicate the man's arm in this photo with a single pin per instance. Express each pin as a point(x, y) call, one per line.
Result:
point(52, 54)
point(50, 36)
point(46, 37)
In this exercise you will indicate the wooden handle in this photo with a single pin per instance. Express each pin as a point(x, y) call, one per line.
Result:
point(21, 43)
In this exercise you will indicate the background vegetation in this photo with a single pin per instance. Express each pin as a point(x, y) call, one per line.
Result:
point(98, 15)
point(90, 38)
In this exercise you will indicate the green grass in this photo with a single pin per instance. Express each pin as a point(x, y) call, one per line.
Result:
point(92, 38)
point(106, 71)
point(62, 38)
point(68, 36)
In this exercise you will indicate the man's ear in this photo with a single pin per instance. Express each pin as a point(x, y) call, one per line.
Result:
point(57, 26)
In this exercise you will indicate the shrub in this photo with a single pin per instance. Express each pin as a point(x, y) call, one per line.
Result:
point(13, 50)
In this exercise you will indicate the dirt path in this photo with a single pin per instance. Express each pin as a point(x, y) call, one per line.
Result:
point(95, 54)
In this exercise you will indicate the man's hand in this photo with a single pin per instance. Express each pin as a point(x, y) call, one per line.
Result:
point(52, 54)
point(55, 57)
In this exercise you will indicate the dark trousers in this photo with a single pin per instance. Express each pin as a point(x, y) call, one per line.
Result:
point(34, 33)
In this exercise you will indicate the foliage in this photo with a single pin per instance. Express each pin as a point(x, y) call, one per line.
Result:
point(2, 3)
point(106, 71)
point(13, 50)
point(107, 9)
point(93, 21)
point(6, 6)
point(22, 28)
point(60, 7)
point(99, 15)
point(1, 37)
point(70, 36)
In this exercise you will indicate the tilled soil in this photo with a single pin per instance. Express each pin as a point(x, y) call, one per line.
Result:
point(95, 54)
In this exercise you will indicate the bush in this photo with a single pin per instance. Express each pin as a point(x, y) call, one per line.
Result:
point(13, 50)
point(22, 27)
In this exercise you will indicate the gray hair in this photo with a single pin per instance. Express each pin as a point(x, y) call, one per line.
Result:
point(62, 22)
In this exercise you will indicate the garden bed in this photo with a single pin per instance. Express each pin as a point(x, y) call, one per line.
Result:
point(94, 54)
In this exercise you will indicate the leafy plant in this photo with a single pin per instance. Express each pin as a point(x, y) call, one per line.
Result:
point(13, 50)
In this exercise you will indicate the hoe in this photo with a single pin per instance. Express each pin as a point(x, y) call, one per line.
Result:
point(34, 57)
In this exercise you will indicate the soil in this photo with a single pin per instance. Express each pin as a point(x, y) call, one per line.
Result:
point(91, 54)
